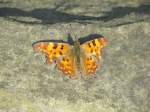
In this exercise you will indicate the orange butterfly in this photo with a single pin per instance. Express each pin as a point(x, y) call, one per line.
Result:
point(70, 57)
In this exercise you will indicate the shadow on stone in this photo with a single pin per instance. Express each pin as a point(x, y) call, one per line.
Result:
point(4, 2)
point(52, 16)
point(120, 12)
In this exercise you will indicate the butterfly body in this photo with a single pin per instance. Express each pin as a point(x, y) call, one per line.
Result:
point(81, 56)
point(77, 53)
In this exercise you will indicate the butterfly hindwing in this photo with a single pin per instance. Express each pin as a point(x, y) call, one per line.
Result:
point(68, 66)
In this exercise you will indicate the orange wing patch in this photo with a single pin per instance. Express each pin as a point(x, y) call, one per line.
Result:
point(52, 50)
point(90, 65)
point(94, 47)
point(67, 66)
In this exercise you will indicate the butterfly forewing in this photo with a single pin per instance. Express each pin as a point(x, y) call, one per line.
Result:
point(52, 50)
point(68, 66)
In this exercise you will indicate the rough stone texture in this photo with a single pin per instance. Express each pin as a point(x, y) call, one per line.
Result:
point(29, 85)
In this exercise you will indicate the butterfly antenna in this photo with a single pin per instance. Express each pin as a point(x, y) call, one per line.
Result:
point(72, 32)
point(63, 27)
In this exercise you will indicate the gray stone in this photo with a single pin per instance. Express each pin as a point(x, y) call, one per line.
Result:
point(122, 84)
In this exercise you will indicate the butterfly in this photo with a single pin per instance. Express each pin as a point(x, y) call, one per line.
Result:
point(73, 57)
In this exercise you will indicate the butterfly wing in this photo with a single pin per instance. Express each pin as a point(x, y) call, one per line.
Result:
point(91, 55)
point(58, 53)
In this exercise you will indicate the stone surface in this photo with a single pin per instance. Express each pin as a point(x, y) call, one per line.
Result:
point(123, 82)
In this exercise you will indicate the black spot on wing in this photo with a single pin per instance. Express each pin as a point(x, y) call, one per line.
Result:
point(63, 59)
point(55, 46)
point(60, 53)
point(62, 46)
point(67, 60)
point(89, 44)
point(93, 41)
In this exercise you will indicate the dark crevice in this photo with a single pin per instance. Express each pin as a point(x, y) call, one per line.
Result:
point(52, 16)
